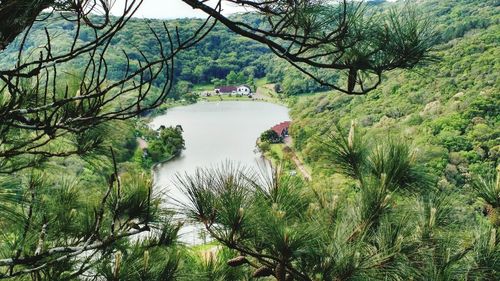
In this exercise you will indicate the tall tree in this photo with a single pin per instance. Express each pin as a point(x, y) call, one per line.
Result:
point(391, 224)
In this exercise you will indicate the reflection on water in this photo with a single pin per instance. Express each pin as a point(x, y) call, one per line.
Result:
point(214, 133)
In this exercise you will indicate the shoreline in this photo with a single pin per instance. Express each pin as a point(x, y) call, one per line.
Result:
point(162, 111)
point(147, 118)
point(293, 157)
point(172, 157)
point(262, 97)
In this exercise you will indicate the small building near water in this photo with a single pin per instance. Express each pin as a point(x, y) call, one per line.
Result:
point(243, 90)
point(282, 129)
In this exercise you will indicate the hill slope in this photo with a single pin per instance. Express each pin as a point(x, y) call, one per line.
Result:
point(449, 109)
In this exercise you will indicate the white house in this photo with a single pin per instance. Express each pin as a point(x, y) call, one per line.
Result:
point(244, 90)
point(234, 90)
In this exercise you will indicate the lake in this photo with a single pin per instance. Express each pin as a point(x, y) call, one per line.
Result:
point(215, 132)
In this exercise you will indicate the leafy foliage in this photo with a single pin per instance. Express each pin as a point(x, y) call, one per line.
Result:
point(449, 109)
point(286, 230)
point(420, 204)
point(270, 136)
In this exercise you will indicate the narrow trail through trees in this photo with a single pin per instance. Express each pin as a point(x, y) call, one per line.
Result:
point(303, 170)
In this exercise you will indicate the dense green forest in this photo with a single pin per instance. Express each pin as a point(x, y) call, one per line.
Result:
point(219, 56)
point(451, 21)
point(448, 108)
point(222, 53)
point(405, 180)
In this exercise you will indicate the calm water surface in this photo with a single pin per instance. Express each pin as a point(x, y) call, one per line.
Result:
point(215, 132)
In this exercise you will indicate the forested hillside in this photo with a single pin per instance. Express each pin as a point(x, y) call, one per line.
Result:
point(209, 61)
point(222, 52)
point(450, 19)
point(450, 109)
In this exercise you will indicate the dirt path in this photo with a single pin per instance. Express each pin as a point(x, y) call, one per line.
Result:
point(262, 92)
point(303, 170)
point(142, 143)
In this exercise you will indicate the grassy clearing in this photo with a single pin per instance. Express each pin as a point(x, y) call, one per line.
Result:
point(225, 98)
point(203, 87)
point(204, 247)
point(277, 149)
point(261, 82)
point(265, 92)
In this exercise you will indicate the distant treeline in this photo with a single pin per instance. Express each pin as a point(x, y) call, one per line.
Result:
point(224, 58)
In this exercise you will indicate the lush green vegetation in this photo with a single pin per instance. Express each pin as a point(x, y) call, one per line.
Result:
point(221, 58)
point(437, 126)
point(405, 181)
point(421, 156)
point(270, 136)
point(451, 20)
point(386, 221)
point(449, 109)
point(157, 146)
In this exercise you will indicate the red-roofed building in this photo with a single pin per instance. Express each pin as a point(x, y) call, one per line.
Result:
point(282, 129)
point(226, 90)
